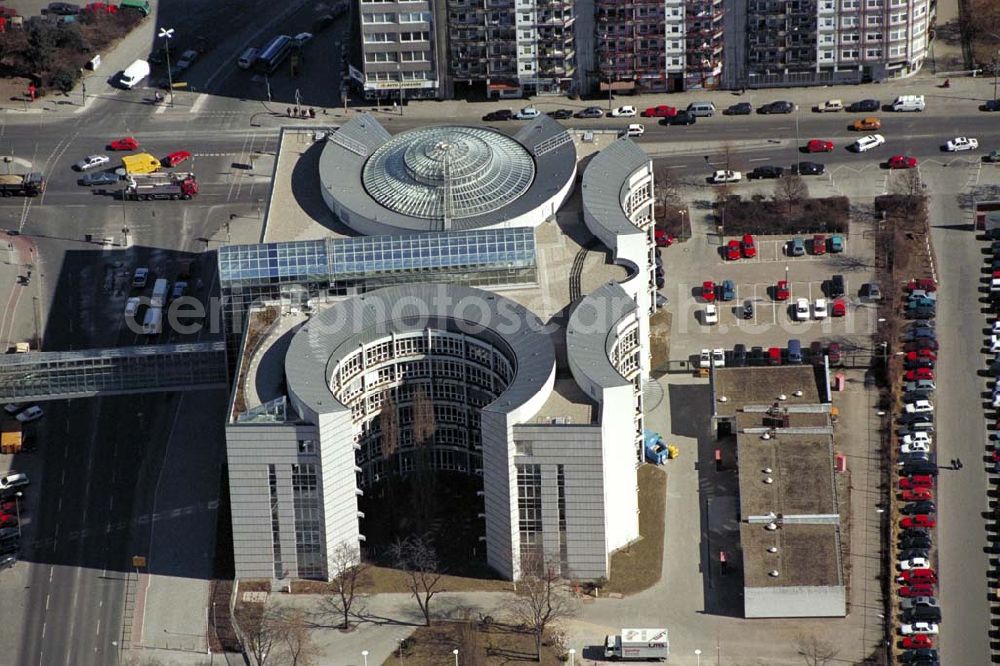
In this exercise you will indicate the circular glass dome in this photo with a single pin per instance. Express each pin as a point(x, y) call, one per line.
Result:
point(440, 173)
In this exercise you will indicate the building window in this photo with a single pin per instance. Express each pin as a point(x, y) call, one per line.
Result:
point(414, 56)
point(272, 485)
point(848, 54)
point(307, 446)
point(523, 448)
point(873, 53)
point(419, 36)
point(378, 17)
point(848, 21)
point(529, 511)
point(377, 38)
point(561, 490)
point(874, 37)
point(873, 20)
point(308, 542)
point(380, 56)
point(415, 17)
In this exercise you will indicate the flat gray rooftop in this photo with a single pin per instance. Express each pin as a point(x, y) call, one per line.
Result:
point(806, 556)
point(762, 386)
point(801, 469)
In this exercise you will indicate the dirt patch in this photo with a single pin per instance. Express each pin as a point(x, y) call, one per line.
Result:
point(385, 580)
point(637, 567)
point(659, 339)
point(478, 644)
point(764, 216)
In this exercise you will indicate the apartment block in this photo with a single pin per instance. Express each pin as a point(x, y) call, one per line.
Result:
point(815, 42)
point(705, 43)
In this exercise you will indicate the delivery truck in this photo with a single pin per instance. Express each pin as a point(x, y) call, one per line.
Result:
point(637, 645)
point(24, 185)
point(140, 188)
point(140, 163)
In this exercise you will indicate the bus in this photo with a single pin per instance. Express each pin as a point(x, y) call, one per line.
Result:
point(271, 55)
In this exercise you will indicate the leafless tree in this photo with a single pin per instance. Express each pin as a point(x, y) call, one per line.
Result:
point(666, 186)
point(296, 637)
point(418, 560)
point(543, 599)
point(470, 645)
point(791, 190)
point(815, 651)
point(262, 628)
point(911, 188)
point(349, 577)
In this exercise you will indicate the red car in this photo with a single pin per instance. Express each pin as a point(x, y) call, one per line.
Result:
point(921, 590)
point(926, 576)
point(748, 246)
point(917, 494)
point(733, 250)
point(902, 162)
point(7, 520)
point(833, 353)
point(819, 146)
point(923, 343)
point(925, 284)
point(919, 373)
point(919, 520)
point(819, 244)
point(839, 308)
point(921, 353)
point(661, 111)
point(127, 143)
point(708, 291)
point(781, 292)
point(663, 239)
point(918, 641)
point(916, 481)
point(173, 159)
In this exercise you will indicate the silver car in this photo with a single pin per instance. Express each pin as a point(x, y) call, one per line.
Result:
point(91, 161)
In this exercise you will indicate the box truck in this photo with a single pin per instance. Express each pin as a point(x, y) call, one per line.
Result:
point(134, 73)
point(637, 645)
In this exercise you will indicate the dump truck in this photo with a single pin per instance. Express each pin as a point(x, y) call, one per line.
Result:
point(637, 645)
point(140, 188)
point(654, 447)
point(24, 185)
point(140, 163)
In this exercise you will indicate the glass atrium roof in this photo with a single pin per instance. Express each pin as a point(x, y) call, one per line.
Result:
point(448, 173)
point(333, 259)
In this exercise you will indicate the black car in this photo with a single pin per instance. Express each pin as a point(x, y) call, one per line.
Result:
point(63, 9)
point(560, 114)
point(917, 418)
point(915, 542)
point(915, 532)
point(99, 178)
point(682, 118)
point(921, 313)
point(922, 614)
point(767, 171)
point(741, 109)
point(809, 169)
point(923, 506)
point(591, 112)
point(777, 107)
point(756, 356)
point(916, 655)
point(911, 553)
point(739, 355)
point(865, 106)
point(748, 309)
point(992, 105)
point(835, 287)
point(502, 114)
point(924, 467)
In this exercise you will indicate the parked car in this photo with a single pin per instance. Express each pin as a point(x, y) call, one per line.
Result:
point(921, 284)
point(918, 406)
point(916, 590)
point(733, 250)
point(661, 111)
point(302, 38)
point(125, 143)
point(726, 176)
point(560, 114)
point(740, 109)
point(776, 107)
point(802, 309)
point(528, 113)
point(866, 143)
point(624, 112)
point(960, 143)
point(830, 105)
point(819, 146)
point(591, 112)
point(916, 495)
point(819, 309)
point(836, 244)
point(63, 9)
point(819, 244)
point(781, 291)
point(767, 171)
point(140, 277)
point(796, 247)
point(728, 290)
point(91, 161)
point(994, 156)
point(711, 314)
point(914, 563)
point(919, 628)
point(175, 158)
point(916, 481)
point(501, 114)
point(748, 309)
point(809, 169)
point(188, 58)
point(32, 413)
point(869, 124)
point(681, 118)
point(925, 654)
point(747, 247)
point(920, 507)
point(917, 641)
point(708, 291)
point(902, 162)
point(919, 520)
point(99, 178)
point(865, 106)
point(839, 308)
point(14, 481)
point(833, 353)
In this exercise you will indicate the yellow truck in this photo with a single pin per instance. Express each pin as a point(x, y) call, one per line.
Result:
point(10, 437)
point(140, 163)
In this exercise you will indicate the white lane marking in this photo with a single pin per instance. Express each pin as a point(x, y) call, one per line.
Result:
point(198, 103)
point(48, 598)
point(160, 109)
point(98, 626)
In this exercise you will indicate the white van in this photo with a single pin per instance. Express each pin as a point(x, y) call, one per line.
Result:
point(135, 73)
point(160, 290)
point(701, 109)
point(152, 323)
point(908, 103)
point(247, 58)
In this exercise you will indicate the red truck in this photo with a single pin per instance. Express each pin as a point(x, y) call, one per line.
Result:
point(146, 187)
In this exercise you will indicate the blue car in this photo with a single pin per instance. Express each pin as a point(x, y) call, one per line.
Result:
point(100, 178)
point(728, 290)
point(836, 243)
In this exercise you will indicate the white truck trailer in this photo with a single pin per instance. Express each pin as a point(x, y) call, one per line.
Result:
point(638, 645)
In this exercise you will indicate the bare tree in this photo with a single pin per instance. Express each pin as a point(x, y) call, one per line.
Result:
point(419, 561)
point(349, 577)
point(791, 190)
point(470, 645)
point(262, 627)
point(666, 186)
point(911, 188)
point(296, 638)
point(543, 599)
point(815, 651)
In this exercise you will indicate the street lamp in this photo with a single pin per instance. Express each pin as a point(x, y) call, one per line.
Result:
point(364, 654)
point(697, 653)
point(455, 652)
point(399, 82)
point(167, 34)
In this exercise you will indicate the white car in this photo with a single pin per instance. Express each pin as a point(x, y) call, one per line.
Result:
point(711, 314)
point(918, 628)
point(705, 360)
point(720, 177)
point(914, 563)
point(995, 342)
point(635, 129)
point(961, 143)
point(132, 306)
point(303, 38)
point(819, 308)
point(91, 161)
point(528, 113)
point(32, 413)
point(719, 358)
point(802, 309)
point(624, 112)
point(866, 143)
point(916, 438)
point(918, 447)
point(14, 481)
point(12, 408)
point(918, 407)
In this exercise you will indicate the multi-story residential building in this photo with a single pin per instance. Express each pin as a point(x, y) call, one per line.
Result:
point(705, 42)
point(810, 42)
point(398, 56)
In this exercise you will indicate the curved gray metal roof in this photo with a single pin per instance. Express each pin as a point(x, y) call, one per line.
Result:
point(592, 331)
point(338, 330)
point(348, 151)
point(603, 180)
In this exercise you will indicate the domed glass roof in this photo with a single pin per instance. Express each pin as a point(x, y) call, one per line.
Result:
point(448, 173)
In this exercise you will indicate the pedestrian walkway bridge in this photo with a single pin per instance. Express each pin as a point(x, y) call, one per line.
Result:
point(92, 372)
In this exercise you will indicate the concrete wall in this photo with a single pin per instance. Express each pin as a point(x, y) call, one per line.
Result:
point(250, 448)
point(338, 480)
point(579, 450)
point(795, 601)
point(621, 483)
